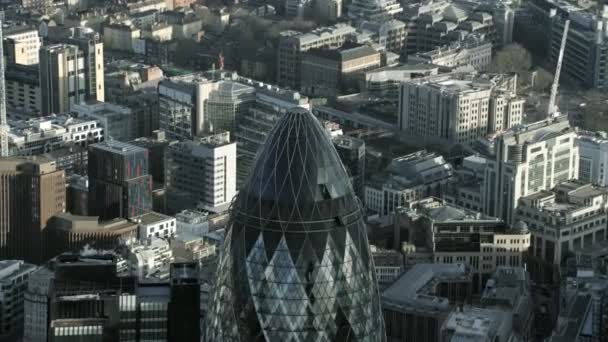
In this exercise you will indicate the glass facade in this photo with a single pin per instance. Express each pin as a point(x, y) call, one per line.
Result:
point(296, 264)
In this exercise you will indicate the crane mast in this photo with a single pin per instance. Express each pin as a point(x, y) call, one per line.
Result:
point(552, 109)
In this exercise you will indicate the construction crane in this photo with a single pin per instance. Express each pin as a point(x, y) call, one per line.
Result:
point(552, 110)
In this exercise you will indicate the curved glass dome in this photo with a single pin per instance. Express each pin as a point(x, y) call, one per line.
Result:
point(296, 265)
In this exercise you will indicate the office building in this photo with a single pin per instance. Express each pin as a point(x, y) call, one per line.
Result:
point(68, 232)
point(21, 45)
point(191, 105)
point(13, 280)
point(407, 179)
point(184, 309)
point(526, 160)
point(297, 8)
point(154, 225)
point(3, 123)
point(61, 88)
point(119, 183)
point(458, 109)
point(418, 304)
point(46, 134)
point(389, 265)
point(157, 146)
point(71, 158)
point(117, 121)
point(593, 156)
point(89, 42)
point(190, 165)
point(458, 235)
point(77, 193)
point(293, 44)
point(150, 259)
point(331, 72)
point(476, 52)
point(373, 10)
point(120, 36)
point(479, 324)
point(23, 89)
point(510, 288)
point(251, 131)
point(328, 10)
point(82, 297)
point(311, 221)
point(32, 190)
point(352, 154)
point(570, 216)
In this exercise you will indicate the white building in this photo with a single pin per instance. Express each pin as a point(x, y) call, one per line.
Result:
point(22, 45)
point(14, 275)
point(151, 260)
point(120, 36)
point(526, 160)
point(476, 52)
point(408, 178)
point(116, 120)
point(571, 216)
point(192, 221)
point(373, 10)
point(187, 247)
point(202, 171)
point(458, 108)
point(41, 135)
point(155, 225)
point(593, 153)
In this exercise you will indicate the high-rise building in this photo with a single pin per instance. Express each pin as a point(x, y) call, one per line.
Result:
point(352, 154)
point(184, 322)
point(32, 191)
point(23, 89)
point(22, 44)
point(119, 183)
point(593, 151)
point(89, 42)
point(3, 124)
point(201, 172)
point(13, 280)
point(62, 78)
point(458, 109)
point(191, 105)
point(296, 263)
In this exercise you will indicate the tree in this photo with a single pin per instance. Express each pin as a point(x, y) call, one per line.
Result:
point(513, 58)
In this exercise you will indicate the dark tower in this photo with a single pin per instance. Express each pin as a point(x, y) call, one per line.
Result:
point(296, 264)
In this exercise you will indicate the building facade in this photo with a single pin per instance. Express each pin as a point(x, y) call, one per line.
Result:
point(13, 280)
point(62, 75)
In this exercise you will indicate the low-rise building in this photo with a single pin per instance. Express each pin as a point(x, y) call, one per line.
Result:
point(150, 259)
point(407, 179)
point(120, 36)
point(388, 264)
point(155, 225)
point(116, 120)
point(476, 52)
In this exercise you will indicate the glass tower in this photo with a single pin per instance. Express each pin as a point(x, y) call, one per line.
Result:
point(296, 264)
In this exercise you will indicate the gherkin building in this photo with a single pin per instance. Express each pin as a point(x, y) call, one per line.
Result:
point(296, 264)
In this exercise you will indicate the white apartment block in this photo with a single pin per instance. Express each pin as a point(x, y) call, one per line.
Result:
point(155, 225)
point(593, 157)
point(459, 109)
point(22, 45)
point(202, 171)
point(571, 216)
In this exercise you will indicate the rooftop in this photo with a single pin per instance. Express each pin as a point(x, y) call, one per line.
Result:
point(115, 146)
point(151, 218)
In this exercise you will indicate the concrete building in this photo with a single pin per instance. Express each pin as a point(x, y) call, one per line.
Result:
point(475, 52)
point(292, 44)
point(62, 78)
point(117, 121)
point(458, 109)
point(331, 72)
point(570, 216)
point(525, 160)
point(190, 165)
point(146, 5)
point(89, 42)
point(192, 222)
point(36, 5)
point(417, 305)
point(373, 10)
point(328, 10)
point(407, 179)
point(32, 190)
point(120, 36)
point(151, 259)
point(14, 276)
point(21, 45)
point(352, 154)
point(593, 156)
point(42, 135)
point(72, 233)
point(119, 183)
point(458, 235)
point(478, 324)
point(155, 225)
point(297, 8)
point(157, 148)
point(389, 265)
point(191, 105)
point(71, 158)
point(22, 89)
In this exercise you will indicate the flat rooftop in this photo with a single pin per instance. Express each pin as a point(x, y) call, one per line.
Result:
point(151, 218)
point(119, 147)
